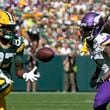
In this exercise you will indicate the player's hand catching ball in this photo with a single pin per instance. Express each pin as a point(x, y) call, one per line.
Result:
point(31, 76)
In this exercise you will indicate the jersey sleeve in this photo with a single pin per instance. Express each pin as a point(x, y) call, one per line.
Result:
point(21, 48)
point(19, 44)
point(104, 39)
point(102, 61)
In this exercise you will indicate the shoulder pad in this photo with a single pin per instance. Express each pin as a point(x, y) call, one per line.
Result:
point(18, 43)
point(21, 48)
point(103, 39)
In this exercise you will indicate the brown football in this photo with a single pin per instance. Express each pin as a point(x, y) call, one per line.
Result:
point(45, 54)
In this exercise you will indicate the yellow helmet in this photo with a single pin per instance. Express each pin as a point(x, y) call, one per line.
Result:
point(6, 18)
point(7, 28)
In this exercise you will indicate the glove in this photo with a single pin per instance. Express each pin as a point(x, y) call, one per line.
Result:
point(96, 82)
point(93, 80)
point(31, 76)
point(99, 81)
point(2, 75)
point(93, 83)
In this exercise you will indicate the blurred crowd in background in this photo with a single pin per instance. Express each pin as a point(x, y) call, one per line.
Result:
point(56, 21)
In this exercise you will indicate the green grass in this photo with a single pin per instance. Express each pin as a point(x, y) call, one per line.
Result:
point(50, 101)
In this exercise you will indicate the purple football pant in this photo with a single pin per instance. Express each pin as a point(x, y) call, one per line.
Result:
point(103, 96)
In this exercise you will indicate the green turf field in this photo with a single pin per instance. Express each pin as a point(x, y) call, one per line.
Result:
point(50, 101)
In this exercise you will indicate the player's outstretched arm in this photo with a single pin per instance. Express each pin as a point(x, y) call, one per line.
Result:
point(26, 75)
point(31, 76)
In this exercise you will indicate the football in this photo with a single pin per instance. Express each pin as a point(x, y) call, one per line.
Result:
point(45, 54)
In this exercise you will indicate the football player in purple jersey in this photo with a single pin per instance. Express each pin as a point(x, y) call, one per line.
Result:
point(98, 44)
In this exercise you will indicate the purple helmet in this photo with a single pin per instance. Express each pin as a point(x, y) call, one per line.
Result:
point(91, 25)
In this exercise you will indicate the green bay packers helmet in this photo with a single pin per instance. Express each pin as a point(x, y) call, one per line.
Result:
point(6, 18)
point(7, 26)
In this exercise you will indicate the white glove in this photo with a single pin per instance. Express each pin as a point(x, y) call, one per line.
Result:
point(31, 76)
point(2, 75)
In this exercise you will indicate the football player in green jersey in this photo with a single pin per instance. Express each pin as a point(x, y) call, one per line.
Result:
point(11, 50)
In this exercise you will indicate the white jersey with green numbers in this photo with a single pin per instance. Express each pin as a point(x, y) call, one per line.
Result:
point(97, 50)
